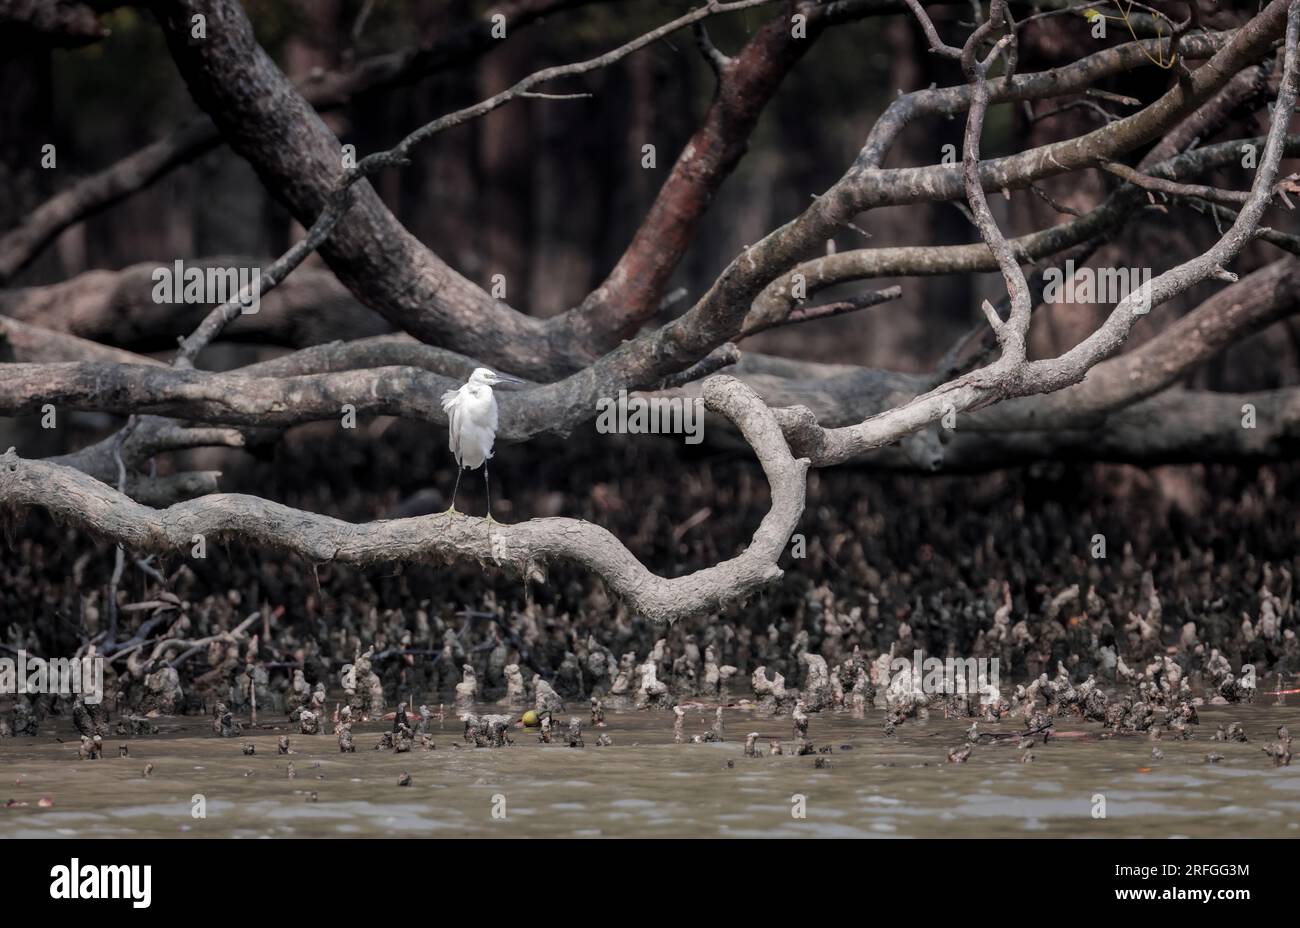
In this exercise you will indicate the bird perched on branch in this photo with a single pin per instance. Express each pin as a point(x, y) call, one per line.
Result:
point(472, 422)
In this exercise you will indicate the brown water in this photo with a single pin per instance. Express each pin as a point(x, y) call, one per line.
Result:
point(644, 785)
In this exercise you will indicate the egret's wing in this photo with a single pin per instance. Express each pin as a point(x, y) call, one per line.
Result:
point(453, 411)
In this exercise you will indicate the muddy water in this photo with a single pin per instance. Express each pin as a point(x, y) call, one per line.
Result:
point(644, 785)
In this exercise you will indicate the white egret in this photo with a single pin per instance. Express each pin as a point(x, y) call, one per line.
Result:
point(472, 424)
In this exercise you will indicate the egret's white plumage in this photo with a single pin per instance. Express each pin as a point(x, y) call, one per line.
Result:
point(472, 422)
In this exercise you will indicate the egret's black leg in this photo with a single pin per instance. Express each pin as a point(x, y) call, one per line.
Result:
point(456, 489)
point(487, 486)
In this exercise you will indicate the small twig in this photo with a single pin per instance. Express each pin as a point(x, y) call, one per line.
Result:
point(1059, 207)
point(143, 565)
point(1112, 97)
point(540, 95)
point(722, 356)
point(1173, 188)
point(826, 310)
point(716, 59)
point(359, 26)
point(1089, 105)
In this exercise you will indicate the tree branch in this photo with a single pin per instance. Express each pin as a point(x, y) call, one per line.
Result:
point(268, 122)
point(988, 385)
point(527, 547)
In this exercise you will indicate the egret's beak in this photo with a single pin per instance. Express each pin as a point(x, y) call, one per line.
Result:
point(506, 378)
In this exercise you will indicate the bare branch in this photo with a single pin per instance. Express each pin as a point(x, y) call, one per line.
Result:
point(978, 388)
point(1257, 301)
point(823, 311)
point(1147, 182)
point(722, 357)
point(299, 159)
point(526, 547)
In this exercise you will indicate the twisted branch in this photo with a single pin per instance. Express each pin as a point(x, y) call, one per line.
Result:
point(81, 500)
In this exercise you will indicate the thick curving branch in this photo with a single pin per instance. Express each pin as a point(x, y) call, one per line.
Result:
point(76, 498)
point(233, 398)
point(269, 123)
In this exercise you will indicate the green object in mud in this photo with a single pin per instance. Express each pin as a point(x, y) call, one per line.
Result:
point(530, 719)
